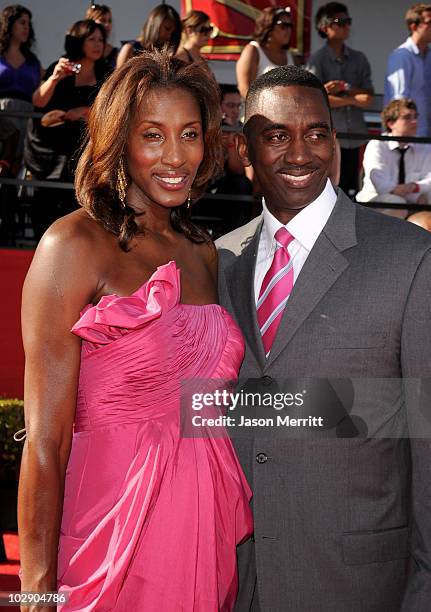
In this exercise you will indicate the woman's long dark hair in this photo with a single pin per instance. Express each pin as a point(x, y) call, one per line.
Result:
point(8, 16)
point(111, 115)
point(149, 36)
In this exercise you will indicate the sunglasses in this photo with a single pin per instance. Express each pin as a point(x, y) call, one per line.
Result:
point(342, 21)
point(284, 24)
point(205, 30)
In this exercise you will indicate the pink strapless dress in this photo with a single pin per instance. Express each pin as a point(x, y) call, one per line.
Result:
point(151, 520)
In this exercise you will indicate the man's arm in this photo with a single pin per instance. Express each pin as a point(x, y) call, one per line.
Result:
point(376, 162)
point(416, 372)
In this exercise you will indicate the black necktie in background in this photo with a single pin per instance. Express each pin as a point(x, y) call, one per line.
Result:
point(402, 168)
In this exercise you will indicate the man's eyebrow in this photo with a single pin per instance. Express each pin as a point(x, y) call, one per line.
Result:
point(274, 126)
point(319, 124)
point(282, 126)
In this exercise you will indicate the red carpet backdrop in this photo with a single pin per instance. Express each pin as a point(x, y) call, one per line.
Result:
point(234, 24)
point(13, 268)
point(9, 580)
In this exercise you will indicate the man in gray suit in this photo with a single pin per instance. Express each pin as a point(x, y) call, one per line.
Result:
point(342, 522)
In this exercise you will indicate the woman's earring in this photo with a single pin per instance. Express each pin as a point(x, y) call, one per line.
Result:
point(121, 183)
point(189, 202)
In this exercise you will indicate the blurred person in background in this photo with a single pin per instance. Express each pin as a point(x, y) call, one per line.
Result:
point(65, 96)
point(20, 70)
point(162, 28)
point(346, 74)
point(408, 74)
point(397, 172)
point(197, 30)
point(100, 13)
point(269, 47)
point(231, 104)
point(233, 180)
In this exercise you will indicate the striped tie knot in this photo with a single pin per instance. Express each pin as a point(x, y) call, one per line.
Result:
point(283, 237)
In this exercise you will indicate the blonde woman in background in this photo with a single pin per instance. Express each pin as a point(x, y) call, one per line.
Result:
point(197, 30)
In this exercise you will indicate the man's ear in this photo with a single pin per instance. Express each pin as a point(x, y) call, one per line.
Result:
point(334, 140)
point(242, 149)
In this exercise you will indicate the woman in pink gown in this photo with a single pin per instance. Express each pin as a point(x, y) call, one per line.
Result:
point(117, 509)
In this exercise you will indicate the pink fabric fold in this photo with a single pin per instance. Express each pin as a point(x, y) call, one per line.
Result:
point(114, 314)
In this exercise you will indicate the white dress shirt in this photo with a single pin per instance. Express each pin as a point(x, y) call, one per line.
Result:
point(305, 227)
point(381, 167)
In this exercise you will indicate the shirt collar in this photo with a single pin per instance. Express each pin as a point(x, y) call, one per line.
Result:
point(332, 53)
point(393, 144)
point(412, 46)
point(307, 224)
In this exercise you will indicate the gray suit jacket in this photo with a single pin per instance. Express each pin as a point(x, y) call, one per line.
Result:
point(342, 524)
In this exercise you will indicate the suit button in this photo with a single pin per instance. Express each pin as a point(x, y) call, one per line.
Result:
point(261, 458)
point(267, 380)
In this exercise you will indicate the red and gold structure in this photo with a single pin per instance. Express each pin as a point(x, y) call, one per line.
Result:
point(233, 22)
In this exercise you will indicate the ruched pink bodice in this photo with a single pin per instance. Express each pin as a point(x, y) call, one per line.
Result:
point(151, 520)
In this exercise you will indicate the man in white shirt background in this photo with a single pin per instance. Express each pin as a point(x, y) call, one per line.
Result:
point(396, 172)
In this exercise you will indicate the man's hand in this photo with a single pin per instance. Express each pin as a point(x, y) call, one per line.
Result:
point(335, 87)
point(362, 100)
point(404, 189)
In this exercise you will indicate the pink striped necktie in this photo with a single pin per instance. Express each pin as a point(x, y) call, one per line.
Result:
point(275, 290)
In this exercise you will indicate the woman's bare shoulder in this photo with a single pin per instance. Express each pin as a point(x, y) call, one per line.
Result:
point(76, 228)
point(75, 246)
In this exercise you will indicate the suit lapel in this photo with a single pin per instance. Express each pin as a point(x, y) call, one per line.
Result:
point(240, 283)
point(322, 268)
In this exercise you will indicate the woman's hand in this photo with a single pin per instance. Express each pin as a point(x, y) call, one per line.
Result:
point(63, 69)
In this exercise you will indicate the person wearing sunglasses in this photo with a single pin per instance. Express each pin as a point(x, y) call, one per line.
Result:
point(268, 49)
point(197, 30)
point(346, 74)
point(408, 73)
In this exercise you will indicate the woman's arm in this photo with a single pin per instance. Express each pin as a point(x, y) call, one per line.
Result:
point(246, 68)
point(125, 54)
point(45, 91)
point(58, 285)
